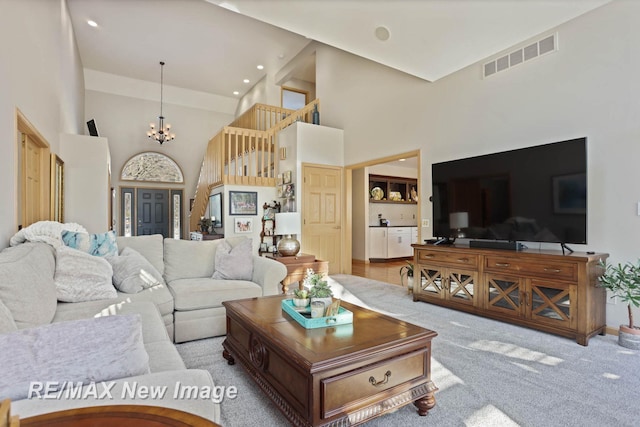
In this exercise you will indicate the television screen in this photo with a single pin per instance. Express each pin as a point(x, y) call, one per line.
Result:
point(534, 194)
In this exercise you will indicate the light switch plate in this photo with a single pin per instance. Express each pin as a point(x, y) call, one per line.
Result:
point(425, 221)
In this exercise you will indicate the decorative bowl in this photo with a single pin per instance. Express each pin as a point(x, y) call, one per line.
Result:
point(300, 302)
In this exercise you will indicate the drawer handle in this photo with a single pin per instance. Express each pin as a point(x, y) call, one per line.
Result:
point(465, 260)
point(502, 264)
point(552, 270)
point(376, 383)
point(428, 256)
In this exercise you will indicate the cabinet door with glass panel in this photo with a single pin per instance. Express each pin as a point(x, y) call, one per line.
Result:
point(450, 284)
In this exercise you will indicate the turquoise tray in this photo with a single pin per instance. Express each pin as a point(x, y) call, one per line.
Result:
point(343, 317)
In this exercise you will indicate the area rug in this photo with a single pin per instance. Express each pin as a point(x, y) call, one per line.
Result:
point(489, 373)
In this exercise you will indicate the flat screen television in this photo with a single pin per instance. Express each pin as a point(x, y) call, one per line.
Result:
point(533, 194)
point(215, 210)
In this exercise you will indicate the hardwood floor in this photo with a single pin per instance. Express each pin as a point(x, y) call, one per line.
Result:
point(383, 271)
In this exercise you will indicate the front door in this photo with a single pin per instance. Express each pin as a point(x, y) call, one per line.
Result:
point(153, 212)
point(322, 214)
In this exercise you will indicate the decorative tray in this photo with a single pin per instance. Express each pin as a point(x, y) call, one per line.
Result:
point(303, 317)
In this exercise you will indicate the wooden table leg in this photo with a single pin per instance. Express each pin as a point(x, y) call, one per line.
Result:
point(427, 402)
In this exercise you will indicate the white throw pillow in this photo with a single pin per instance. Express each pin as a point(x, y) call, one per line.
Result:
point(82, 277)
point(94, 349)
point(234, 263)
point(132, 272)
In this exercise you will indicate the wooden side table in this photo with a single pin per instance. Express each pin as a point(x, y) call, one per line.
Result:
point(297, 268)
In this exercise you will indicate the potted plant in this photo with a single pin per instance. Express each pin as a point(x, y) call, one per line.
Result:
point(204, 224)
point(301, 297)
point(623, 281)
point(319, 289)
point(407, 270)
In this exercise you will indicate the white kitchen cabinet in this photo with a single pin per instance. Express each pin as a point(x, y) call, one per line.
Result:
point(378, 242)
point(399, 242)
point(414, 235)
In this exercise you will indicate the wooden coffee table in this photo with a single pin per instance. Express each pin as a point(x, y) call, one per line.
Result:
point(338, 375)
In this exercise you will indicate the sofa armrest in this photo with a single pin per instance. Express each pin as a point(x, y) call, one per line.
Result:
point(268, 274)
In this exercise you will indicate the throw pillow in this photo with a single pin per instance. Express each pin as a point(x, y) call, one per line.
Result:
point(95, 349)
point(82, 277)
point(26, 283)
point(234, 263)
point(7, 324)
point(132, 272)
point(94, 244)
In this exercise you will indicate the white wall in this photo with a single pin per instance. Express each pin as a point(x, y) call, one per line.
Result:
point(588, 88)
point(41, 74)
point(86, 181)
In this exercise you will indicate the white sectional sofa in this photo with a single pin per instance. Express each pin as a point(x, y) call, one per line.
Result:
point(187, 306)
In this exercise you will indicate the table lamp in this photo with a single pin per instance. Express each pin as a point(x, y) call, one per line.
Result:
point(287, 224)
point(458, 221)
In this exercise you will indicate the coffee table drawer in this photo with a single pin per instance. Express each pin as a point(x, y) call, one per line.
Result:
point(342, 392)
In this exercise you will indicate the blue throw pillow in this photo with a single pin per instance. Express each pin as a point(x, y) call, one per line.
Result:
point(94, 244)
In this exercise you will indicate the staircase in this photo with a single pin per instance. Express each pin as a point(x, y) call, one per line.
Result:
point(244, 152)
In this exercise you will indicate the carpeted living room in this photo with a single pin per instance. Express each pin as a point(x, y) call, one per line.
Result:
point(462, 173)
point(488, 373)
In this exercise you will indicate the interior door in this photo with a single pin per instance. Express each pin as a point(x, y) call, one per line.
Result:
point(152, 212)
point(322, 214)
point(33, 181)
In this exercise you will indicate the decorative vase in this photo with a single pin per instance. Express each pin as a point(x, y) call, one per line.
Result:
point(315, 116)
point(410, 284)
point(628, 337)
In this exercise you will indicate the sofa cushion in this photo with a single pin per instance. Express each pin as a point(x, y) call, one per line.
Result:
point(84, 350)
point(234, 263)
point(132, 272)
point(199, 293)
point(26, 283)
point(151, 247)
point(94, 244)
point(82, 277)
point(7, 324)
point(186, 259)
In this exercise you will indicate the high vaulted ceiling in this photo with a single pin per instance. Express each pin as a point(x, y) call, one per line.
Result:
point(212, 45)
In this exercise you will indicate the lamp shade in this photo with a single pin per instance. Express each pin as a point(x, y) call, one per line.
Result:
point(287, 223)
point(459, 219)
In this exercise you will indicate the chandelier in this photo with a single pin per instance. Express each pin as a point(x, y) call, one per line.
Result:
point(161, 134)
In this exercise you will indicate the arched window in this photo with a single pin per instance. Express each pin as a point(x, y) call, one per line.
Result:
point(151, 166)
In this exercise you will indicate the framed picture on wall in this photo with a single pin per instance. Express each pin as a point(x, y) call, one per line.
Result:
point(286, 177)
point(243, 225)
point(243, 203)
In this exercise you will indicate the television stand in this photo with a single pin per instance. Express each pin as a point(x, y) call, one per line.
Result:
point(540, 289)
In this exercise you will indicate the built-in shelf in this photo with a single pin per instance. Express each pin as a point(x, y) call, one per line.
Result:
point(391, 185)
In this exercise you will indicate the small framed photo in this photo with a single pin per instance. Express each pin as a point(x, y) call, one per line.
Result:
point(279, 179)
point(286, 177)
point(243, 225)
point(280, 191)
point(243, 203)
point(289, 191)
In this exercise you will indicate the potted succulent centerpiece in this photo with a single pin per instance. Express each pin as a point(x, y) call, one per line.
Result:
point(300, 297)
point(407, 271)
point(623, 281)
point(319, 289)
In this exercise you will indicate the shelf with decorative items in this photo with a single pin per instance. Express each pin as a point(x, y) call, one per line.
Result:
point(391, 189)
point(268, 238)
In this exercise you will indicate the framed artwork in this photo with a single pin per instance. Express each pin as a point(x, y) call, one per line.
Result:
point(279, 180)
point(570, 194)
point(243, 225)
point(280, 191)
point(286, 177)
point(288, 191)
point(243, 203)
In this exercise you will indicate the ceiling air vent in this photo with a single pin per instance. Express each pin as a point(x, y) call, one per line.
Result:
point(523, 54)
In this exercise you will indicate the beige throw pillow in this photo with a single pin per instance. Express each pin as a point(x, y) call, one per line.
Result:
point(82, 277)
point(132, 272)
point(234, 263)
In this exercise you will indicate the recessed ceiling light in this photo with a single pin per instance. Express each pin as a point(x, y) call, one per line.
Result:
point(246, 80)
point(260, 67)
point(92, 23)
point(382, 33)
point(235, 92)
